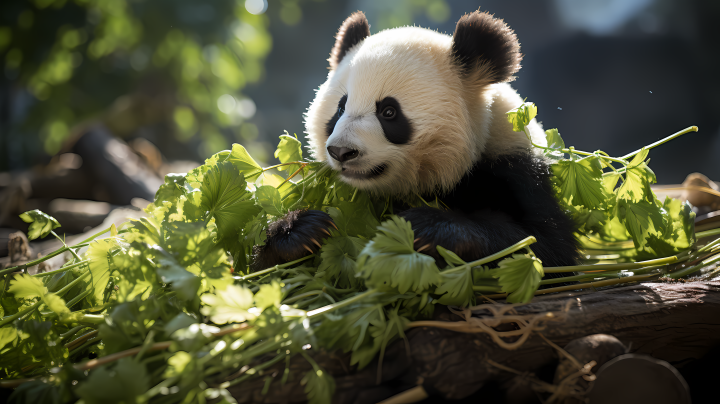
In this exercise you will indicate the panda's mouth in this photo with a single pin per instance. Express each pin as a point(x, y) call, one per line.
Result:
point(364, 174)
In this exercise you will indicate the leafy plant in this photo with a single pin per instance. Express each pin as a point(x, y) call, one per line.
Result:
point(172, 279)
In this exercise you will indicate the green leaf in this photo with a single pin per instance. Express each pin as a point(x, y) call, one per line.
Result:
point(269, 198)
point(610, 181)
point(248, 167)
point(25, 286)
point(642, 219)
point(55, 303)
point(319, 386)
point(354, 218)
point(269, 295)
point(638, 177)
point(580, 182)
point(591, 220)
point(36, 391)
point(8, 335)
point(521, 116)
point(456, 288)
point(171, 190)
point(450, 257)
point(100, 255)
point(389, 262)
point(121, 383)
point(41, 224)
point(225, 198)
point(339, 255)
point(185, 283)
point(555, 142)
point(519, 276)
point(289, 149)
point(228, 306)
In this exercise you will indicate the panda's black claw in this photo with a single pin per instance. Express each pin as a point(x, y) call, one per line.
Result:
point(315, 242)
point(292, 237)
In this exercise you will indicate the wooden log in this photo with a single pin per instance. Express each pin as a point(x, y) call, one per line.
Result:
point(675, 322)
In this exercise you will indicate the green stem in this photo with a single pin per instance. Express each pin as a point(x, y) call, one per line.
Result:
point(571, 150)
point(271, 269)
point(33, 262)
point(687, 271)
point(486, 289)
point(69, 286)
point(72, 332)
point(576, 278)
point(10, 319)
point(610, 267)
point(310, 360)
point(707, 233)
point(302, 296)
point(149, 339)
point(659, 142)
point(341, 304)
point(93, 319)
point(93, 237)
point(155, 390)
point(490, 258)
point(77, 298)
point(256, 370)
point(85, 345)
point(292, 175)
point(61, 270)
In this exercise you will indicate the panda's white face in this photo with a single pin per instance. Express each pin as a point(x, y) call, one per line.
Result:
point(393, 118)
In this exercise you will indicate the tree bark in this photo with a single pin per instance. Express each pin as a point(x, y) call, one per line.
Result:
point(678, 323)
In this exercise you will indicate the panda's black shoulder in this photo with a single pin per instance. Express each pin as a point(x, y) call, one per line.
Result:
point(512, 183)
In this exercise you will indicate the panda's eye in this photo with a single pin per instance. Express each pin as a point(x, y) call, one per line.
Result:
point(389, 112)
point(341, 111)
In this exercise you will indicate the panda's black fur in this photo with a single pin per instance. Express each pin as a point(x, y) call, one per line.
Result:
point(502, 198)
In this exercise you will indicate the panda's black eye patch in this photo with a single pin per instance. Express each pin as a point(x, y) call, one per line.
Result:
point(396, 126)
point(330, 127)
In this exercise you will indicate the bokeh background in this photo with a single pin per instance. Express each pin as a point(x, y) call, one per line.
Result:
point(177, 80)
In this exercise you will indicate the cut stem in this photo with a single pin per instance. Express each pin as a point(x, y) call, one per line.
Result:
point(611, 267)
point(589, 285)
point(341, 304)
point(707, 233)
point(661, 141)
point(490, 258)
point(61, 270)
point(271, 269)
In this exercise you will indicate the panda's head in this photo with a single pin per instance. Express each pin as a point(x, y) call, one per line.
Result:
point(403, 111)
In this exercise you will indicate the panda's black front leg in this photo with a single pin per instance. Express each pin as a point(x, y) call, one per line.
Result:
point(291, 237)
point(470, 236)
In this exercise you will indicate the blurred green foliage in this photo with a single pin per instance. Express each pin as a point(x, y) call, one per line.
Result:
point(183, 63)
point(405, 12)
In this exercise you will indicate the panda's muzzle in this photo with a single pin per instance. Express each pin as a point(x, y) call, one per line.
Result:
point(364, 174)
point(342, 154)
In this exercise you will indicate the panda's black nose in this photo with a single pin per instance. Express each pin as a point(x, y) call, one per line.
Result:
point(342, 153)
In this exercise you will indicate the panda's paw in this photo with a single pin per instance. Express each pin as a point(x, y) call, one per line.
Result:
point(293, 236)
point(450, 230)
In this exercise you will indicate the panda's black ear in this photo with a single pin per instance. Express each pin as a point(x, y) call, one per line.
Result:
point(353, 30)
point(483, 42)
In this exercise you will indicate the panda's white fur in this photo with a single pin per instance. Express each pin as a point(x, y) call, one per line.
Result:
point(457, 120)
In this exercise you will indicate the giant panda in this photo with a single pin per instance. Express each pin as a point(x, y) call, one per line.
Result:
point(410, 111)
